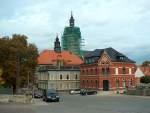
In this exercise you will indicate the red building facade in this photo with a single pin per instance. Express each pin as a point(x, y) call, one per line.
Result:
point(107, 70)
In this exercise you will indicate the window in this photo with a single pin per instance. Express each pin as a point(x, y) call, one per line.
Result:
point(130, 71)
point(130, 82)
point(95, 70)
point(123, 70)
point(60, 77)
point(117, 83)
point(91, 71)
point(67, 77)
point(76, 77)
point(116, 71)
point(87, 71)
point(105, 71)
point(83, 72)
point(124, 83)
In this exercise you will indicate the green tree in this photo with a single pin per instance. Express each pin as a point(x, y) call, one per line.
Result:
point(145, 79)
point(17, 59)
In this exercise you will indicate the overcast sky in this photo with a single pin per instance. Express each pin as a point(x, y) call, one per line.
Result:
point(121, 24)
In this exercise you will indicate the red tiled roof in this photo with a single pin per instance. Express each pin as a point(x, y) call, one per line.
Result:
point(145, 70)
point(51, 57)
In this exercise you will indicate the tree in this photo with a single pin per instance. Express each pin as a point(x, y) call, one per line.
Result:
point(17, 59)
point(146, 63)
point(145, 79)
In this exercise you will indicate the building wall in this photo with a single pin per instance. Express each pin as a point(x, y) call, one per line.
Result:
point(59, 80)
point(120, 75)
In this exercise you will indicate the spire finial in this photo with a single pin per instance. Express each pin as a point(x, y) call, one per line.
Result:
point(71, 20)
point(71, 14)
point(57, 47)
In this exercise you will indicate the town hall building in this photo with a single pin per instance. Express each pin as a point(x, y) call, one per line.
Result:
point(107, 70)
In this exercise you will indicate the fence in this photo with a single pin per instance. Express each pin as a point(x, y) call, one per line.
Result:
point(6, 90)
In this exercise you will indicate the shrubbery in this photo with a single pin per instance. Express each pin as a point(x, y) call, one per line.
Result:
point(145, 79)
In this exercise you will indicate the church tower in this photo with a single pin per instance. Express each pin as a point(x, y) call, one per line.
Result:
point(57, 47)
point(71, 38)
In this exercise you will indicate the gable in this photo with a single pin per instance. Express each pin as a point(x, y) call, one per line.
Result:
point(139, 73)
point(104, 59)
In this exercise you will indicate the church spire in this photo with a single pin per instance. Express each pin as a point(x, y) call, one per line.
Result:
point(71, 20)
point(57, 47)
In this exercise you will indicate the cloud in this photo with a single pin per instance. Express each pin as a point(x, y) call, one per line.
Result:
point(123, 25)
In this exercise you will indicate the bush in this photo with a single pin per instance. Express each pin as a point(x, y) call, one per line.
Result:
point(145, 79)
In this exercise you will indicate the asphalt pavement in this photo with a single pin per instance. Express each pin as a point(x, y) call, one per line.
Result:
point(85, 104)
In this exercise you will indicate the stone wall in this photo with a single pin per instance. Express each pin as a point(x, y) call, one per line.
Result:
point(141, 92)
point(24, 99)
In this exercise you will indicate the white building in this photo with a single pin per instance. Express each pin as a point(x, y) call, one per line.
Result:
point(58, 69)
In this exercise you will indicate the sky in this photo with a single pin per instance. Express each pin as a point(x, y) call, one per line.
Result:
point(121, 24)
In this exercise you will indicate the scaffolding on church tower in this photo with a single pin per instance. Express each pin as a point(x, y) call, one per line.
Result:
point(71, 38)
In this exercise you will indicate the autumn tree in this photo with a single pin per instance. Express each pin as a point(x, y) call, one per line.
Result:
point(17, 59)
point(146, 63)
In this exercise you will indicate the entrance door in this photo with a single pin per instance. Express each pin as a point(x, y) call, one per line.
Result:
point(105, 85)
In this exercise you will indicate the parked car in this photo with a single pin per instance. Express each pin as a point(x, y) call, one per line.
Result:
point(75, 91)
point(88, 92)
point(91, 92)
point(50, 96)
point(38, 94)
point(83, 92)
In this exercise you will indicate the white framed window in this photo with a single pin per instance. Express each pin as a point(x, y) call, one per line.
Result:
point(116, 71)
point(130, 71)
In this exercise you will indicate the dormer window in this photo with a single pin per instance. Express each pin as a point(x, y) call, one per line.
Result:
point(120, 57)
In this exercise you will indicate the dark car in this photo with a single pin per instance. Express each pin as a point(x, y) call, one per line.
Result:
point(50, 96)
point(91, 92)
point(88, 92)
point(38, 94)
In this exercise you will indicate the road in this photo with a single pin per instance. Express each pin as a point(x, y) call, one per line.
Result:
point(86, 104)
